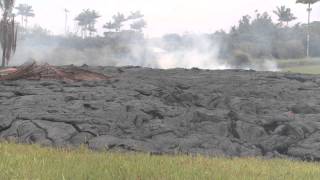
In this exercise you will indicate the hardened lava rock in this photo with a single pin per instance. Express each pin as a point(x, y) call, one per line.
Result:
point(230, 113)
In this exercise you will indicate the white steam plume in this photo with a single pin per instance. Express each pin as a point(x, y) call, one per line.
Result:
point(202, 54)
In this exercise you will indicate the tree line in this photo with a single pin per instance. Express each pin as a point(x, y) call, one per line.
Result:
point(259, 37)
point(256, 36)
point(87, 20)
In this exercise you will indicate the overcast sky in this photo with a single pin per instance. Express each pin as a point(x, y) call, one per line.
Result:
point(163, 16)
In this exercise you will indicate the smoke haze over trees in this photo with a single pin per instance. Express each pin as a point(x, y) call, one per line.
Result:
point(252, 43)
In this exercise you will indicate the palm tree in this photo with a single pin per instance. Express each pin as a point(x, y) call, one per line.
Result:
point(8, 31)
point(117, 23)
point(119, 19)
point(309, 3)
point(138, 25)
point(25, 11)
point(284, 15)
point(87, 20)
point(110, 26)
point(138, 22)
point(135, 15)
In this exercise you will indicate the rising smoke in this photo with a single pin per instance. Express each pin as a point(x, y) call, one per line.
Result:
point(203, 54)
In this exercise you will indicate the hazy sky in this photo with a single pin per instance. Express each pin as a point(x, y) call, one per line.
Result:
point(163, 16)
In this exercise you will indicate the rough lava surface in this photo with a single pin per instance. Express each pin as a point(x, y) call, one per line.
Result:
point(229, 113)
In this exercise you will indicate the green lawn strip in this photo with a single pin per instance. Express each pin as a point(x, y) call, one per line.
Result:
point(296, 63)
point(34, 162)
point(304, 69)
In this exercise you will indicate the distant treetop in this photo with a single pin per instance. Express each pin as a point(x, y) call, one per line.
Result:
point(307, 1)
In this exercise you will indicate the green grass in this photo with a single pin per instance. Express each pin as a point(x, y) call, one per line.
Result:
point(34, 162)
point(285, 63)
point(304, 66)
point(304, 69)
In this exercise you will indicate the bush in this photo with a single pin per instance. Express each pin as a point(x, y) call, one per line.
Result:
point(240, 60)
point(292, 49)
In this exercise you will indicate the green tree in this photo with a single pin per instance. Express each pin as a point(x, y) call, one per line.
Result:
point(120, 19)
point(117, 23)
point(254, 35)
point(138, 25)
point(138, 22)
point(309, 3)
point(284, 15)
point(244, 24)
point(87, 20)
point(25, 11)
point(135, 15)
point(8, 31)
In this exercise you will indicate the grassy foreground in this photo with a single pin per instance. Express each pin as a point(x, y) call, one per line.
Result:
point(34, 162)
